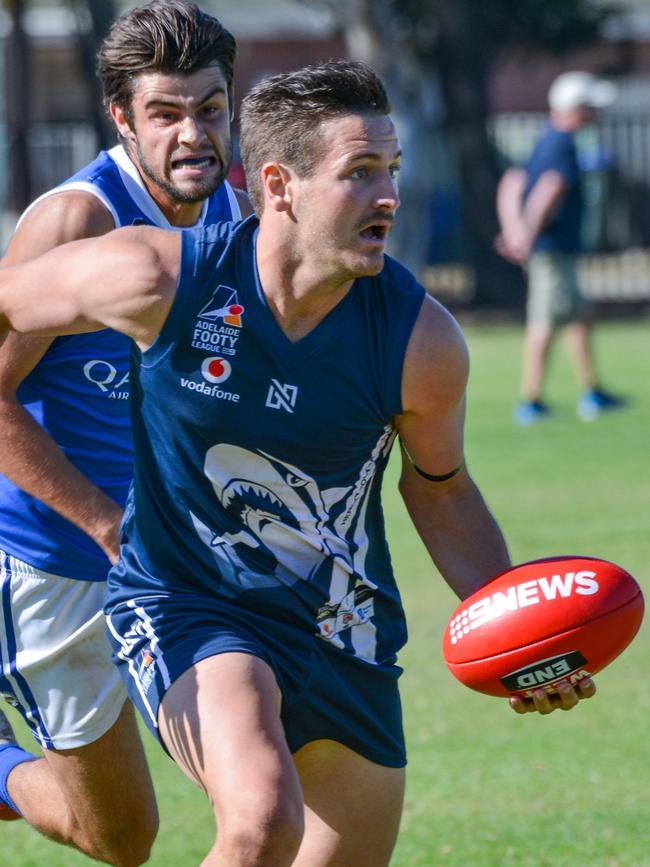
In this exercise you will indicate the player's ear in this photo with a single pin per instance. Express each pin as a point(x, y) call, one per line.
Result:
point(276, 179)
point(119, 116)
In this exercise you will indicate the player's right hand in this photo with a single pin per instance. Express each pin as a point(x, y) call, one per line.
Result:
point(564, 698)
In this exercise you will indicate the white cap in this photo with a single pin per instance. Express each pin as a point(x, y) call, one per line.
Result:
point(574, 89)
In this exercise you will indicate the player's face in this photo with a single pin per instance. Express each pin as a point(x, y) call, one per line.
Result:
point(345, 209)
point(179, 137)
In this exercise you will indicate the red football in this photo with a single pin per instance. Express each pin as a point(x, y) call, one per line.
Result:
point(560, 618)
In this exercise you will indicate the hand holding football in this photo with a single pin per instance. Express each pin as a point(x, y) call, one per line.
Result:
point(559, 618)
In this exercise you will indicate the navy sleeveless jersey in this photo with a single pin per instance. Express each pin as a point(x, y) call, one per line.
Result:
point(259, 461)
point(79, 392)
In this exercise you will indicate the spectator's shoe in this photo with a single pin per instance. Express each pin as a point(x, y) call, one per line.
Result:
point(6, 737)
point(595, 402)
point(531, 411)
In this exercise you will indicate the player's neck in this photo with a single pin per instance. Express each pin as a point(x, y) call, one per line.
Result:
point(182, 214)
point(298, 295)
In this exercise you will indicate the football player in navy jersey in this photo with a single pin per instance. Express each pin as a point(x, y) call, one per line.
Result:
point(253, 613)
point(65, 442)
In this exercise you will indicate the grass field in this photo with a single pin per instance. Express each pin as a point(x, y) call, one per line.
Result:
point(487, 788)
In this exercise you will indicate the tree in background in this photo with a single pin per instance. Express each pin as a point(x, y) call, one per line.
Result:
point(436, 57)
point(16, 86)
point(99, 14)
point(93, 20)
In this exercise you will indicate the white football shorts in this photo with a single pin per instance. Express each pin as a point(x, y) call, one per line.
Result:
point(55, 658)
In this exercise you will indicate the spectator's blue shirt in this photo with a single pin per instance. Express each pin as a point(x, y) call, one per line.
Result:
point(556, 151)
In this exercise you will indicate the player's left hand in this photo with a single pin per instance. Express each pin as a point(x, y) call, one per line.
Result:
point(564, 698)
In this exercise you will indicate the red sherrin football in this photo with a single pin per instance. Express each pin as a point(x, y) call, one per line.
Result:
point(559, 618)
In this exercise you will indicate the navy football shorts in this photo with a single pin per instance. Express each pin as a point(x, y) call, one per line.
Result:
point(326, 693)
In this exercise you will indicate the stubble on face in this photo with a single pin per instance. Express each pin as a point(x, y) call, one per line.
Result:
point(348, 144)
point(197, 190)
point(158, 145)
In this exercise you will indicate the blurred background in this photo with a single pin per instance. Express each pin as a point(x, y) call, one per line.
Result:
point(468, 81)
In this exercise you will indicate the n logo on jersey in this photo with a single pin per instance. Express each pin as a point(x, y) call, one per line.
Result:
point(223, 305)
point(282, 396)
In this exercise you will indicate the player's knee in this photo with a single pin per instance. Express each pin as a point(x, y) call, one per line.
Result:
point(128, 845)
point(269, 831)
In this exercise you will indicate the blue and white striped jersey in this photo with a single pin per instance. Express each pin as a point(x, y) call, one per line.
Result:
point(79, 393)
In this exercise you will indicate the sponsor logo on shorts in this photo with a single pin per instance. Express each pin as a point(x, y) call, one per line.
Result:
point(546, 671)
point(218, 324)
point(113, 384)
point(520, 596)
point(354, 609)
point(132, 639)
point(147, 668)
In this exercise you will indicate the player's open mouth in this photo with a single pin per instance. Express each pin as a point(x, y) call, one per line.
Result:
point(196, 164)
point(376, 233)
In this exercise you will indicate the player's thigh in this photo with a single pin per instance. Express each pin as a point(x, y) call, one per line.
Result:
point(220, 721)
point(107, 782)
point(352, 807)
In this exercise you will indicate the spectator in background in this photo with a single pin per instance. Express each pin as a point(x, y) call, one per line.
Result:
point(540, 208)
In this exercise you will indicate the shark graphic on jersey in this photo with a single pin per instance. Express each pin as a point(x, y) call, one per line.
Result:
point(289, 530)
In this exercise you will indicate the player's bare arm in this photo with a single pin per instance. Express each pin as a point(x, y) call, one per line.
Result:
point(449, 512)
point(66, 216)
point(124, 280)
point(447, 508)
point(31, 459)
point(29, 456)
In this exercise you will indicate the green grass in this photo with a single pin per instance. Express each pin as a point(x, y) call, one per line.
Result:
point(487, 788)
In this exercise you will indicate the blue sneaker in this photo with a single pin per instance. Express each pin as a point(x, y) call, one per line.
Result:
point(531, 411)
point(594, 402)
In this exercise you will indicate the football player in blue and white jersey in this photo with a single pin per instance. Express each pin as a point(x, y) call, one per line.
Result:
point(253, 612)
point(66, 449)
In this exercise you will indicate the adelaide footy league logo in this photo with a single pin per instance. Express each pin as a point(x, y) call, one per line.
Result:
point(219, 322)
point(215, 369)
point(223, 305)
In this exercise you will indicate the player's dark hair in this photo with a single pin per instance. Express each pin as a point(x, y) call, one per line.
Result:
point(169, 36)
point(282, 115)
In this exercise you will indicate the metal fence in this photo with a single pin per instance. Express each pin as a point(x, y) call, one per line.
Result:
point(55, 152)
